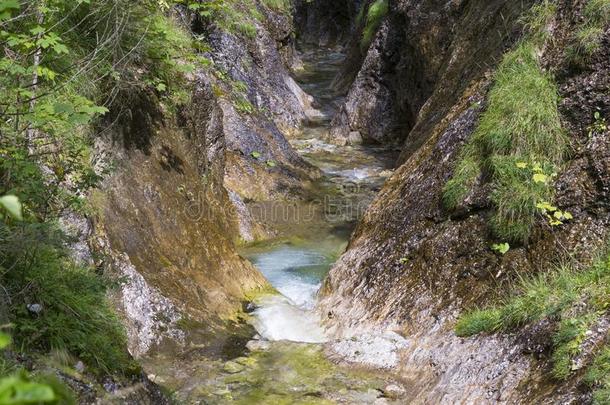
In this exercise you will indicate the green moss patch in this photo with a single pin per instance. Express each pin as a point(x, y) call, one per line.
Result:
point(374, 16)
point(292, 373)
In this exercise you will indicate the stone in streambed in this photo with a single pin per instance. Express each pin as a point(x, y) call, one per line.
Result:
point(354, 138)
point(394, 391)
point(233, 367)
point(258, 345)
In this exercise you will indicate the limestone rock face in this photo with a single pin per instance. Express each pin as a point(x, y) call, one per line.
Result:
point(166, 224)
point(413, 267)
point(172, 211)
point(260, 163)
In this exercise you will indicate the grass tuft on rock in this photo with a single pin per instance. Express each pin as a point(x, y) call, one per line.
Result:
point(58, 305)
point(520, 132)
point(374, 16)
point(574, 298)
point(278, 5)
point(588, 38)
point(537, 20)
point(598, 376)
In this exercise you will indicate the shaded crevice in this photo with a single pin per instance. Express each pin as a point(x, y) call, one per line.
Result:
point(325, 22)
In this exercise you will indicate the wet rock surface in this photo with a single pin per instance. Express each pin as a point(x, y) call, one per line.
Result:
point(283, 373)
point(413, 267)
point(166, 226)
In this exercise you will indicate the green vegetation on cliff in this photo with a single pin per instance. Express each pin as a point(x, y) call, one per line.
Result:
point(519, 144)
point(64, 65)
point(71, 71)
point(572, 298)
point(518, 147)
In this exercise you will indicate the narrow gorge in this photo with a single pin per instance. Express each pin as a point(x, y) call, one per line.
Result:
point(305, 202)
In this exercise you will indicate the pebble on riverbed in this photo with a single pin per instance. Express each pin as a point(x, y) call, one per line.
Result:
point(258, 345)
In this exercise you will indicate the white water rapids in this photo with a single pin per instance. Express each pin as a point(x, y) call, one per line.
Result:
point(352, 174)
point(290, 316)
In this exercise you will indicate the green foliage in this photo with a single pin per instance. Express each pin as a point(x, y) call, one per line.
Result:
point(63, 394)
point(519, 144)
point(243, 105)
point(537, 20)
point(501, 248)
point(553, 214)
point(234, 16)
point(5, 340)
point(12, 206)
point(599, 125)
point(478, 321)
point(598, 376)
point(374, 16)
point(19, 390)
point(63, 65)
point(278, 5)
point(574, 296)
point(75, 315)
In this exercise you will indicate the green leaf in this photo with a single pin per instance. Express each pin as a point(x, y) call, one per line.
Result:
point(545, 206)
point(501, 248)
point(567, 215)
point(521, 165)
point(403, 260)
point(65, 108)
point(255, 155)
point(12, 205)
point(17, 391)
point(5, 340)
point(6, 5)
point(271, 163)
point(37, 30)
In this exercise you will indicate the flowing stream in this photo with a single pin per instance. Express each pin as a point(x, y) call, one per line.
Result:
point(351, 175)
point(286, 363)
